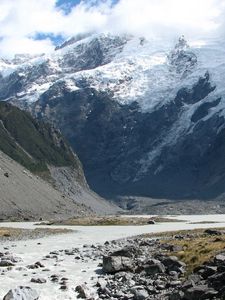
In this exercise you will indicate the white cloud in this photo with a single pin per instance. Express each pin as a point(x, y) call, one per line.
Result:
point(165, 17)
point(21, 20)
point(11, 46)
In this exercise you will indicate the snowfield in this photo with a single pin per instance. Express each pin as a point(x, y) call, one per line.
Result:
point(137, 70)
point(31, 251)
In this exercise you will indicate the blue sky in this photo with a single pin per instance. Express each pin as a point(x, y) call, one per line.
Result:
point(66, 5)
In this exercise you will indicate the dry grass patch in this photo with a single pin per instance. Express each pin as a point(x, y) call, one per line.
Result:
point(110, 221)
point(197, 247)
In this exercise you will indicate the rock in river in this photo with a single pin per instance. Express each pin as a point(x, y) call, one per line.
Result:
point(22, 293)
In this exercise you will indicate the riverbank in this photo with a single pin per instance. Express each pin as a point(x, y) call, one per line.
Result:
point(15, 234)
point(77, 255)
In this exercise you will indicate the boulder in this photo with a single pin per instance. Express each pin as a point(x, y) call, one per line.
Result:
point(139, 293)
point(151, 222)
point(154, 267)
point(38, 280)
point(113, 264)
point(82, 291)
point(207, 271)
point(173, 264)
point(125, 252)
point(36, 265)
point(22, 293)
point(220, 258)
point(6, 263)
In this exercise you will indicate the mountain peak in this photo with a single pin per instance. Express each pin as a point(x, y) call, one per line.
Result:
point(182, 44)
point(73, 40)
point(181, 58)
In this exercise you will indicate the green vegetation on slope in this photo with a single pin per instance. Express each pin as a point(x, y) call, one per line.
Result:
point(32, 143)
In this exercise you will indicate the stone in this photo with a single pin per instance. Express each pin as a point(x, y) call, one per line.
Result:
point(217, 280)
point(139, 293)
point(175, 283)
point(208, 271)
point(154, 267)
point(212, 232)
point(6, 263)
point(220, 258)
point(200, 292)
point(113, 264)
point(22, 293)
point(151, 222)
point(177, 295)
point(63, 287)
point(36, 265)
point(82, 291)
point(101, 284)
point(173, 264)
point(125, 252)
point(38, 280)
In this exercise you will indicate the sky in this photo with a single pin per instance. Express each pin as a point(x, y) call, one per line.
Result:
point(37, 26)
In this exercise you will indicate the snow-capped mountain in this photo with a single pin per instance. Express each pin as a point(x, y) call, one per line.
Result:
point(126, 66)
point(145, 117)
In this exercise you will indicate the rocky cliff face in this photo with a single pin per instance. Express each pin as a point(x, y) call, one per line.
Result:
point(145, 119)
point(35, 145)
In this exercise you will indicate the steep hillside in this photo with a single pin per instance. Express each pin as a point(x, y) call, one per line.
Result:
point(33, 144)
point(24, 195)
point(41, 149)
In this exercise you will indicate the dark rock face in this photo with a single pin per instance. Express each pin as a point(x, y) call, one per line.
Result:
point(11, 85)
point(198, 92)
point(174, 151)
point(116, 142)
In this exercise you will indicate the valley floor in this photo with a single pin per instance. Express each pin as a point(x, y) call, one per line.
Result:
point(69, 258)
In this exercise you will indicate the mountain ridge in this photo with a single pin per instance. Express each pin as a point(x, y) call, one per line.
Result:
point(143, 117)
